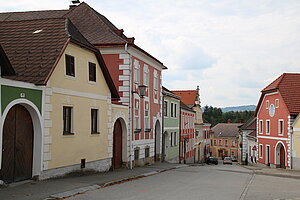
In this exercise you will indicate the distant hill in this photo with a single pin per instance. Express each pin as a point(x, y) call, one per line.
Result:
point(239, 108)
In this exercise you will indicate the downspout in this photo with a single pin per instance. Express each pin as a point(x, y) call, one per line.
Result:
point(163, 131)
point(130, 107)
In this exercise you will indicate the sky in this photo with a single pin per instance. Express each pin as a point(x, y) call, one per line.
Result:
point(232, 49)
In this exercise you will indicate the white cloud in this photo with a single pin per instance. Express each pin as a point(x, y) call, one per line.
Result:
point(232, 49)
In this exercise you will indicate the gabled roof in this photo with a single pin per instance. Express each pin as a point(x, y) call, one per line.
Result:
point(185, 107)
point(6, 68)
point(35, 46)
point(226, 129)
point(288, 85)
point(187, 96)
point(96, 28)
point(250, 124)
point(167, 92)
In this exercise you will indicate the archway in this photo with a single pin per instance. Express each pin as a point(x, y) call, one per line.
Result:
point(157, 140)
point(280, 155)
point(17, 145)
point(31, 112)
point(119, 143)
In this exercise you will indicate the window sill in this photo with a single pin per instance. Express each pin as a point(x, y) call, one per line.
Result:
point(147, 129)
point(70, 77)
point(68, 134)
point(95, 133)
point(92, 82)
point(137, 130)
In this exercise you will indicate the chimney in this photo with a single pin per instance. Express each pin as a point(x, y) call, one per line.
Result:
point(119, 32)
point(131, 40)
point(73, 4)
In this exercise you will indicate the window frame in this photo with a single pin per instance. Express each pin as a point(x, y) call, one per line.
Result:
point(276, 103)
point(92, 72)
point(268, 127)
point(260, 126)
point(68, 123)
point(96, 126)
point(261, 148)
point(267, 104)
point(70, 65)
point(166, 108)
point(279, 127)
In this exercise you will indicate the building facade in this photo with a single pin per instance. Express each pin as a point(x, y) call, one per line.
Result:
point(224, 140)
point(61, 100)
point(296, 144)
point(187, 134)
point(278, 106)
point(171, 133)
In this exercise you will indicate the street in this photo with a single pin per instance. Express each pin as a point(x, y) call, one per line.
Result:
point(201, 182)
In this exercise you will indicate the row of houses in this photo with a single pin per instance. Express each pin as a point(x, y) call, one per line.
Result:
point(77, 94)
point(271, 137)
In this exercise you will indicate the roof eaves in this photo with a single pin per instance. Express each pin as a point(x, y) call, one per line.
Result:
point(5, 63)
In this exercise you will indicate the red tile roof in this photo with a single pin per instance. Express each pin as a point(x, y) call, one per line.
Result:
point(34, 47)
point(288, 85)
point(94, 26)
point(187, 96)
point(226, 129)
point(6, 68)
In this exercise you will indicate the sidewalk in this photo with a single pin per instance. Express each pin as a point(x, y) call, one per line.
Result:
point(288, 173)
point(67, 186)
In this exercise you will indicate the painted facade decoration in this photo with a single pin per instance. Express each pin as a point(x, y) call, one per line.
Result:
point(171, 131)
point(248, 142)
point(277, 109)
point(224, 140)
point(63, 93)
point(187, 134)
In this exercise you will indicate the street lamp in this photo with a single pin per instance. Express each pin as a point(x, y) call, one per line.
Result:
point(141, 90)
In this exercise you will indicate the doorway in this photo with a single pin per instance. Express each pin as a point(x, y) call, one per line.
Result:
point(117, 145)
point(17, 145)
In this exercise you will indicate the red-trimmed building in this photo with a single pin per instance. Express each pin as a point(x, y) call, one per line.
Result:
point(187, 135)
point(278, 106)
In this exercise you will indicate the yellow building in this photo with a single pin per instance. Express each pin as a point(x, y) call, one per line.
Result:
point(78, 127)
point(296, 144)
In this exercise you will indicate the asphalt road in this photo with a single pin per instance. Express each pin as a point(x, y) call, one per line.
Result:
point(201, 182)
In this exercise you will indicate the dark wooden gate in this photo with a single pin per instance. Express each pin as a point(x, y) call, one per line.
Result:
point(117, 145)
point(282, 157)
point(17, 146)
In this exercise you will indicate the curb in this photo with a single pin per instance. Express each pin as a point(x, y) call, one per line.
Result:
point(82, 190)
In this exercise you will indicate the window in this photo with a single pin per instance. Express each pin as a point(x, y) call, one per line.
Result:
point(94, 121)
point(233, 143)
point(136, 154)
point(267, 104)
point(173, 139)
point(280, 127)
point(175, 110)
point(146, 75)
point(147, 152)
point(232, 153)
point(92, 72)
point(165, 108)
point(260, 128)
point(172, 109)
point(220, 142)
point(215, 142)
point(268, 127)
point(276, 103)
point(70, 65)
point(137, 116)
point(136, 72)
point(260, 150)
point(67, 120)
point(155, 81)
point(147, 119)
point(226, 143)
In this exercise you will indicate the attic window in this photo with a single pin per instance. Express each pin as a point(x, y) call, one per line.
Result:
point(37, 31)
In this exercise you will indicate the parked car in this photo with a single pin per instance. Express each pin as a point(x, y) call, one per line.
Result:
point(234, 159)
point(227, 160)
point(212, 159)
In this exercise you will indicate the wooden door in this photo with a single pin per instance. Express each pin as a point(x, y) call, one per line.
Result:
point(17, 146)
point(282, 157)
point(117, 145)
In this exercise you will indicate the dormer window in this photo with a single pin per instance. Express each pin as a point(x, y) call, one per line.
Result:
point(70, 65)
